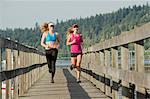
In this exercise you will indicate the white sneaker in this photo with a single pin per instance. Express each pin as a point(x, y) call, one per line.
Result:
point(78, 80)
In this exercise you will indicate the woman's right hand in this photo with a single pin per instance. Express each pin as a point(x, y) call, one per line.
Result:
point(74, 41)
point(46, 46)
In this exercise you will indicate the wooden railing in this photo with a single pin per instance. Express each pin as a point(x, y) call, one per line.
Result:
point(24, 66)
point(100, 65)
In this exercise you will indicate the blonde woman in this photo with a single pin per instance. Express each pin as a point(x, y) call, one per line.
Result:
point(50, 41)
point(75, 40)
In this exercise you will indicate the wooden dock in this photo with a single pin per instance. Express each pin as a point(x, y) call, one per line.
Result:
point(65, 87)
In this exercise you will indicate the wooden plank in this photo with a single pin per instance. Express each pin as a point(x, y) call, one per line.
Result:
point(65, 87)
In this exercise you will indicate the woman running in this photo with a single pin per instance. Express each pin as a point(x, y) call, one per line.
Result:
point(75, 40)
point(50, 41)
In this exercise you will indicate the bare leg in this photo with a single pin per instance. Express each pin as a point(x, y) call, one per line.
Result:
point(79, 58)
point(73, 62)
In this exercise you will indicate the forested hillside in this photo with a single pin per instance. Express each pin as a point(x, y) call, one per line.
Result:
point(94, 28)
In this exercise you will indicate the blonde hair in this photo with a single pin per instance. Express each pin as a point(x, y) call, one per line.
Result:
point(69, 31)
point(44, 27)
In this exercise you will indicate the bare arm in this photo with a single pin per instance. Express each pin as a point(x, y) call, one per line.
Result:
point(70, 42)
point(58, 37)
point(42, 41)
point(82, 44)
point(81, 38)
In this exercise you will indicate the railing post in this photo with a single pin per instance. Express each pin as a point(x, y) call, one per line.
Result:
point(139, 63)
point(34, 75)
point(30, 63)
point(23, 83)
point(37, 68)
point(124, 57)
point(107, 58)
point(124, 63)
point(114, 57)
point(92, 66)
point(0, 71)
point(26, 64)
point(16, 78)
point(32, 70)
point(21, 79)
point(87, 65)
point(8, 67)
point(139, 56)
point(97, 66)
point(114, 65)
point(102, 63)
point(26, 74)
point(107, 64)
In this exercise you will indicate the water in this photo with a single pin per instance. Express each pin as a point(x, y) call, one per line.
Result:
point(63, 63)
point(147, 62)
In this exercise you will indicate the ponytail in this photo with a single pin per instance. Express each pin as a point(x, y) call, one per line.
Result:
point(70, 31)
point(44, 27)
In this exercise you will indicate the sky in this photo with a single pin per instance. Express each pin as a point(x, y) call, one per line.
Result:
point(25, 13)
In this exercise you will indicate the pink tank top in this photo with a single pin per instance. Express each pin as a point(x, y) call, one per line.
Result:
point(76, 47)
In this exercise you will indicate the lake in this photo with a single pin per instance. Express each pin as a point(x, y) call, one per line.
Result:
point(63, 63)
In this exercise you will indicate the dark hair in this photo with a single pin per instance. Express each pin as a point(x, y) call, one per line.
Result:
point(75, 25)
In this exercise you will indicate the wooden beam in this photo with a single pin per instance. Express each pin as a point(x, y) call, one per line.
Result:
point(124, 57)
point(139, 56)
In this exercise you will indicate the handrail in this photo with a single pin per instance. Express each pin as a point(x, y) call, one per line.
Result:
point(6, 43)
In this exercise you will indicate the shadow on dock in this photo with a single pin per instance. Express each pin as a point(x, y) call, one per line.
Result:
point(76, 91)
